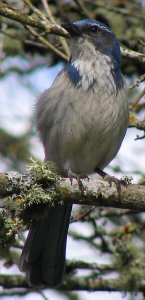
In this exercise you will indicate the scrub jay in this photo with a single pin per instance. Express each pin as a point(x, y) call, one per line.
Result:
point(82, 119)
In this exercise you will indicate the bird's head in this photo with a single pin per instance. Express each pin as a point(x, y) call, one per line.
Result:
point(90, 36)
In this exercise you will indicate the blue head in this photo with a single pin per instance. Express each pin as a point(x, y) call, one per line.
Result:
point(91, 41)
point(98, 34)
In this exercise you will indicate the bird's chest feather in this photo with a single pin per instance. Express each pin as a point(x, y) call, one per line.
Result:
point(96, 101)
point(95, 119)
point(96, 76)
point(89, 120)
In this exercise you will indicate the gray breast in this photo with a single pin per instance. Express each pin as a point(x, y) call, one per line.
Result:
point(82, 124)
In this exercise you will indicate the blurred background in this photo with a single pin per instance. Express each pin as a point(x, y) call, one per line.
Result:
point(29, 61)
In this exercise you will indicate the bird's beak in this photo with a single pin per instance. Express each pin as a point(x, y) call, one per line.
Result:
point(71, 28)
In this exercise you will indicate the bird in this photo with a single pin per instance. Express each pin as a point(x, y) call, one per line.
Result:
point(82, 120)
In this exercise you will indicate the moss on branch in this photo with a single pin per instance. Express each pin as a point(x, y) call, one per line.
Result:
point(76, 284)
point(42, 185)
point(24, 196)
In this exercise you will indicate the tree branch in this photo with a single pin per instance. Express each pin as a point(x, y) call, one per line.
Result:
point(133, 55)
point(77, 284)
point(100, 284)
point(45, 25)
point(43, 186)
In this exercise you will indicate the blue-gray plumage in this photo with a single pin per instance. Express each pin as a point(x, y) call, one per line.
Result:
point(82, 119)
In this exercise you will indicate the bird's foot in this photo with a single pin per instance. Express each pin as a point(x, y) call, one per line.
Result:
point(125, 181)
point(78, 178)
point(118, 182)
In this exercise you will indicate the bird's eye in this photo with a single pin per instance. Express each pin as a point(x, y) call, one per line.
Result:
point(95, 29)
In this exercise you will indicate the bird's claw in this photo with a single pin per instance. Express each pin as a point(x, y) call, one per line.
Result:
point(78, 178)
point(118, 182)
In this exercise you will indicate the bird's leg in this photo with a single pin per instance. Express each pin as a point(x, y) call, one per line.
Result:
point(118, 182)
point(79, 178)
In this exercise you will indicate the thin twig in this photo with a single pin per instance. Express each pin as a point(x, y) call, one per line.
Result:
point(83, 9)
point(48, 11)
point(138, 137)
point(137, 98)
point(37, 11)
point(90, 266)
point(82, 215)
point(25, 41)
point(139, 80)
point(124, 12)
point(46, 43)
point(52, 19)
